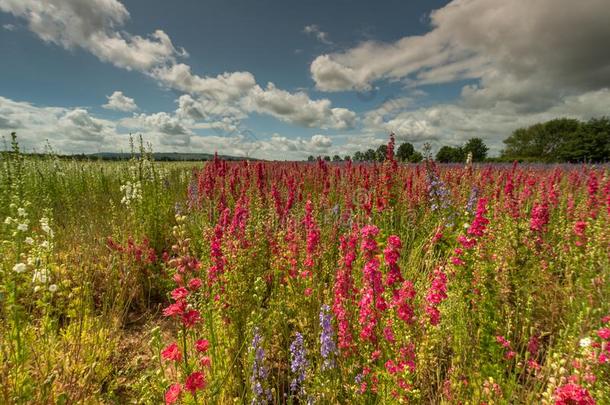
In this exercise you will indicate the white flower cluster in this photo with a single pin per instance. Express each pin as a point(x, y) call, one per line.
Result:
point(132, 193)
point(21, 222)
point(39, 246)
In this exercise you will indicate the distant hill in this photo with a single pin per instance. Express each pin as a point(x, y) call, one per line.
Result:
point(167, 156)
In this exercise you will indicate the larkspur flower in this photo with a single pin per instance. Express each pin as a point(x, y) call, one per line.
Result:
point(173, 393)
point(172, 352)
point(472, 199)
point(190, 318)
point(391, 256)
point(572, 394)
point(436, 294)
point(260, 372)
point(202, 345)
point(403, 302)
point(328, 347)
point(195, 381)
point(298, 364)
point(175, 309)
point(180, 293)
point(604, 333)
point(479, 224)
point(195, 284)
point(539, 217)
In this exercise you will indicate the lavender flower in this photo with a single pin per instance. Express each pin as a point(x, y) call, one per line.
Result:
point(437, 191)
point(298, 364)
point(328, 347)
point(259, 372)
point(472, 200)
point(193, 194)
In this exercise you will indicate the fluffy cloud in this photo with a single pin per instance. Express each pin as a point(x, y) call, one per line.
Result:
point(69, 130)
point(77, 130)
point(218, 102)
point(517, 49)
point(120, 102)
point(224, 88)
point(454, 123)
point(94, 26)
point(298, 108)
point(159, 122)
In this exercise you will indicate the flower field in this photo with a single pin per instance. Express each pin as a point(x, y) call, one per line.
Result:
point(293, 283)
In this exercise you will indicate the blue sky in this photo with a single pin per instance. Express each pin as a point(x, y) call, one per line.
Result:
point(195, 75)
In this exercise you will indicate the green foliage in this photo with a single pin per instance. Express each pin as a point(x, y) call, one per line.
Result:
point(561, 140)
point(477, 148)
point(449, 154)
point(416, 157)
point(404, 152)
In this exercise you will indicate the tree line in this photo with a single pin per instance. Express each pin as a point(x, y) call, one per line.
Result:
point(405, 153)
point(560, 140)
point(556, 141)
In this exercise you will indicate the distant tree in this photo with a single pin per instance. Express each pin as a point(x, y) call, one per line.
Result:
point(336, 158)
point(416, 157)
point(477, 147)
point(381, 153)
point(541, 142)
point(448, 154)
point(404, 152)
point(310, 158)
point(358, 156)
point(347, 158)
point(591, 143)
point(370, 155)
point(327, 158)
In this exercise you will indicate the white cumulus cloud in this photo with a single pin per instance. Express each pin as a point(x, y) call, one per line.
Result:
point(120, 102)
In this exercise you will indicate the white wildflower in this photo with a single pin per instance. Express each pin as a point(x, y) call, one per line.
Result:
point(29, 240)
point(44, 224)
point(40, 276)
point(8, 221)
point(585, 342)
point(21, 212)
point(19, 268)
point(132, 192)
point(53, 288)
point(22, 227)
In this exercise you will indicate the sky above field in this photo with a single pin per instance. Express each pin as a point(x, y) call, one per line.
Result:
point(285, 79)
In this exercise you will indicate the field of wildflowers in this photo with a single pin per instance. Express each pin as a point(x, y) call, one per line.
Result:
point(269, 283)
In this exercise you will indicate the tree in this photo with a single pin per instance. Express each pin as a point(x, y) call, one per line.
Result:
point(448, 154)
point(477, 147)
point(336, 158)
point(416, 157)
point(327, 158)
point(310, 158)
point(370, 155)
point(591, 143)
point(347, 158)
point(543, 141)
point(404, 152)
point(381, 153)
point(358, 156)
